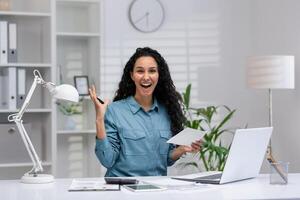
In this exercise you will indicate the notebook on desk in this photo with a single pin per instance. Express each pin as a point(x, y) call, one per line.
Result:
point(245, 157)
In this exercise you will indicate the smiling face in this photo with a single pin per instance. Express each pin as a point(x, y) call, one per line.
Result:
point(145, 76)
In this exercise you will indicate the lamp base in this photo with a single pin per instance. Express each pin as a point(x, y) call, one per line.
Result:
point(37, 178)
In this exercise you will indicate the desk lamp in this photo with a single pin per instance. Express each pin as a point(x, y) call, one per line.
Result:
point(63, 92)
point(271, 72)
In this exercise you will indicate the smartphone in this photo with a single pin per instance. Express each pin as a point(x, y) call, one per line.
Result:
point(101, 101)
point(120, 181)
point(143, 188)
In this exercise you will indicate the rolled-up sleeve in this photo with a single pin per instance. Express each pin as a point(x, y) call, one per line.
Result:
point(107, 149)
point(170, 161)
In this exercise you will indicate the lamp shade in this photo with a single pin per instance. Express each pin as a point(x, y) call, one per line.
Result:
point(66, 92)
point(271, 72)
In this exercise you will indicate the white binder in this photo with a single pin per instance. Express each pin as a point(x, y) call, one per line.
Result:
point(3, 42)
point(21, 86)
point(12, 42)
point(9, 88)
point(1, 92)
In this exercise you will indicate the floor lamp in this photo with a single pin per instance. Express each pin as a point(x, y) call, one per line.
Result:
point(271, 72)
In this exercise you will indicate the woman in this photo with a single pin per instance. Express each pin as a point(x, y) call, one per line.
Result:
point(133, 130)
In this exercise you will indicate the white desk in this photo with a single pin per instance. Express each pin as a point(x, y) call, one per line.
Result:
point(258, 188)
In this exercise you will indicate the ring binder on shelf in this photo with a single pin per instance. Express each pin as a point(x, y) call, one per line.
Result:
point(3, 42)
point(12, 42)
point(21, 86)
point(9, 88)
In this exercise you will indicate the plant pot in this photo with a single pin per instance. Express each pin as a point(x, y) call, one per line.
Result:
point(73, 122)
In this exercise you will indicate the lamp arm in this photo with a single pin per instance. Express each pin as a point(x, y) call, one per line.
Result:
point(37, 80)
point(17, 118)
point(37, 165)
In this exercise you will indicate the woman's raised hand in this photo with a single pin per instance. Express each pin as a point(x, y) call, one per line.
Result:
point(99, 107)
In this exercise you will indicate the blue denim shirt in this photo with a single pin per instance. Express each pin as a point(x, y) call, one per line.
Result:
point(136, 140)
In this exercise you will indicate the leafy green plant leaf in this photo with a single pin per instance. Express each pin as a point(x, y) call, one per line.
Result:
point(186, 96)
point(213, 153)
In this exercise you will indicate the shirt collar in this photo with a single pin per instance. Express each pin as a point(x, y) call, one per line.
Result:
point(135, 106)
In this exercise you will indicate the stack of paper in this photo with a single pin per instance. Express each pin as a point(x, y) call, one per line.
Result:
point(91, 185)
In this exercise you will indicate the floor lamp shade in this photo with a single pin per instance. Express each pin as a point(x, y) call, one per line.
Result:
point(271, 72)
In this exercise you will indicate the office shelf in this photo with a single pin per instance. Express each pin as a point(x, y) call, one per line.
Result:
point(35, 33)
point(78, 42)
point(29, 65)
point(25, 164)
point(24, 14)
point(34, 110)
point(78, 1)
point(78, 16)
point(33, 36)
point(66, 132)
point(78, 34)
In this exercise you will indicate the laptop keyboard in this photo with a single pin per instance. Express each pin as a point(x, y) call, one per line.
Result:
point(209, 177)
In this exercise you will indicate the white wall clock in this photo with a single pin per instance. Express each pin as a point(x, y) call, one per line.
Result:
point(146, 15)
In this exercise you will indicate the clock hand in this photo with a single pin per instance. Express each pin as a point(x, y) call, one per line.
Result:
point(147, 19)
point(138, 20)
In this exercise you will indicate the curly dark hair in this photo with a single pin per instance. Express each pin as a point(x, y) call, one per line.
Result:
point(165, 91)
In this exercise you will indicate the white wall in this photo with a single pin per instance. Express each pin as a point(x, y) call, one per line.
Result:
point(260, 28)
point(227, 84)
point(244, 28)
point(189, 39)
point(278, 29)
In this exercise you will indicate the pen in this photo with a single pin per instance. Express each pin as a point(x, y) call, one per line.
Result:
point(279, 170)
point(100, 100)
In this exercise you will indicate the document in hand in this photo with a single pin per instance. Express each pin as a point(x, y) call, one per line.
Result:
point(186, 137)
point(92, 185)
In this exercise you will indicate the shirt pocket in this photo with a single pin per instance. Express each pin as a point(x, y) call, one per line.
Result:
point(163, 145)
point(134, 142)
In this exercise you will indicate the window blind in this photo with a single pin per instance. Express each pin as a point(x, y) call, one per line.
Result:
point(186, 45)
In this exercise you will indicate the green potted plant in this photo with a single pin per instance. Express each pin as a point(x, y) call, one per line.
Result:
point(214, 151)
point(69, 108)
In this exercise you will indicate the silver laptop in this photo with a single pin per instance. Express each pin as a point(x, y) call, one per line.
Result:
point(245, 157)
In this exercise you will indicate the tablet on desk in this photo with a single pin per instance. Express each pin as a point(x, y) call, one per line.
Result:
point(144, 188)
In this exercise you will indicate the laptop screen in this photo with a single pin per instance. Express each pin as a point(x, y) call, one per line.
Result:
point(246, 154)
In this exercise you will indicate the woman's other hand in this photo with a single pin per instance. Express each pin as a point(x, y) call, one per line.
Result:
point(183, 149)
point(194, 148)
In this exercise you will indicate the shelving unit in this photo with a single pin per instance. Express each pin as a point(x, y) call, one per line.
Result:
point(83, 35)
point(34, 110)
point(78, 41)
point(60, 38)
point(28, 65)
point(34, 34)
point(86, 131)
point(25, 14)
point(25, 164)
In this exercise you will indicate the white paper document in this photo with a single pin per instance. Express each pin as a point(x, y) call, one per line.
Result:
point(92, 185)
point(172, 184)
point(197, 175)
point(186, 137)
